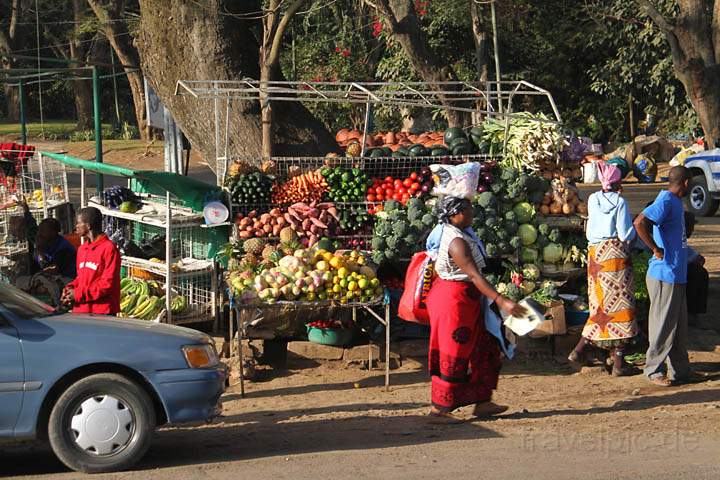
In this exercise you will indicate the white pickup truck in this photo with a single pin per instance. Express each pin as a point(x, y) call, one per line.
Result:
point(704, 196)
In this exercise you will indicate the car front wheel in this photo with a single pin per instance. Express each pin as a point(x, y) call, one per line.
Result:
point(699, 199)
point(101, 423)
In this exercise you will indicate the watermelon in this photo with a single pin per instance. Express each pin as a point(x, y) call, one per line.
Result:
point(458, 141)
point(452, 133)
point(462, 149)
point(418, 150)
point(374, 153)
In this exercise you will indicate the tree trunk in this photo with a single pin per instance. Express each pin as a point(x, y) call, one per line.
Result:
point(694, 38)
point(9, 39)
point(403, 23)
point(186, 40)
point(109, 12)
point(12, 103)
point(266, 113)
point(83, 104)
point(482, 59)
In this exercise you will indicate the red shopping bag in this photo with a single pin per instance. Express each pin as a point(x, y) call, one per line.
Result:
point(418, 280)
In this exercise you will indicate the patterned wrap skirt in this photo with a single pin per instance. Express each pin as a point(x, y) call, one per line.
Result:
point(464, 359)
point(611, 290)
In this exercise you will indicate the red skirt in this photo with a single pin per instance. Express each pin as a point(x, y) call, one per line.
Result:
point(464, 359)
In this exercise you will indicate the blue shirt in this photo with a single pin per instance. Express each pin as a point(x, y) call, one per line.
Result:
point(608, 217)
point(666, 212)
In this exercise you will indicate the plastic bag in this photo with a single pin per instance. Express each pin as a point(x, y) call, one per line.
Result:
point(456, 180)
point(645, 169)
point(590, 172)
point(418, 280)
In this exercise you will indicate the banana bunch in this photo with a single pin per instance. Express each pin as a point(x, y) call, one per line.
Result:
point(130, 285)
point(146, 307)
point(178, 305)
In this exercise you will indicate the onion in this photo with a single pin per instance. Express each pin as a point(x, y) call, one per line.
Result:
point(482, 188)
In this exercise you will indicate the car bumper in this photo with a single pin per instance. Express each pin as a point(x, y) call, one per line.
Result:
point(190, 394)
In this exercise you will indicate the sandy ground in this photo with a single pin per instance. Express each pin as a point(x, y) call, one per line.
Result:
point(329, 422)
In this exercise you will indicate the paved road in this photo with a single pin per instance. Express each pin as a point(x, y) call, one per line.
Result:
point(392, 448)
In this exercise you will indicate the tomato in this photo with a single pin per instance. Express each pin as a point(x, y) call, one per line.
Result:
point(388, 179)
point(413, 176)
point(405, 198)
point(415, 187)
point(370, 197)
point(407, 182)
point(379, 197)
point(401, 190)
point(389, 192)
point(379, 190)
point(397, 197)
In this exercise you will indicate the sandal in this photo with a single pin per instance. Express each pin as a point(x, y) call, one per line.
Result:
point(488, 409)
point(661, 381)
point(577, 359)
point(444, 417)
point(624, 371)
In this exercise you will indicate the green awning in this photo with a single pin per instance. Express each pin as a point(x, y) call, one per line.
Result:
point(192, 192)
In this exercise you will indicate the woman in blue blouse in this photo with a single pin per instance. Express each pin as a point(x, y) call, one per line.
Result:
point(611, 325)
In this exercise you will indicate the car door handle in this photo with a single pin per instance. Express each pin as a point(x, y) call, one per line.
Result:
point(6, 387)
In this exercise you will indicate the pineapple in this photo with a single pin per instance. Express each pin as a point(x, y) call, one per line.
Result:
point(288, 235)
point(249, 260)
point(288, 248)
point(238, 168)
point(268, 251)
point(353, 150)
point(254, 246)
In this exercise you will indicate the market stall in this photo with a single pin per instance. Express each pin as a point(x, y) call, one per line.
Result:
point(168, 248)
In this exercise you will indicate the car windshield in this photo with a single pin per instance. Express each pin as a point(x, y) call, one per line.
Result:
point(22, 304)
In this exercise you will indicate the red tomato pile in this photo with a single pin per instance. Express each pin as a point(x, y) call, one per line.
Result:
point(326, 324)
point(416, 184)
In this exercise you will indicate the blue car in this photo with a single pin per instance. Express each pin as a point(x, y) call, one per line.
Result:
point(96, 387)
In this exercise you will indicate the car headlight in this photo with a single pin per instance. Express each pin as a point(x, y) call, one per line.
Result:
point(200, 356)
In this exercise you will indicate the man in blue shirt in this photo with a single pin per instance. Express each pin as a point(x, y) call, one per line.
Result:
point(662, 227)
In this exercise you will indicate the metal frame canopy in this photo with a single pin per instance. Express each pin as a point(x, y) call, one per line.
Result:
point(489, 99)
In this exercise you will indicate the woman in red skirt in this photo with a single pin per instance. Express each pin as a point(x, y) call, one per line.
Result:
point(464, 359)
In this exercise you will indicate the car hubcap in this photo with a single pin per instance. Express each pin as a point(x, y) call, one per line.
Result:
point(697, 197)
point(102, 425)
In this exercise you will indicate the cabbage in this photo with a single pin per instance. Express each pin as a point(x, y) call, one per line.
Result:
point(552, 253)
point(524, 212)
point(531, 271)
point(527, 233)
point(528, 255)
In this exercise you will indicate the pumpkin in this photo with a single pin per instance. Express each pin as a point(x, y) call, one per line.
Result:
point(342, 135)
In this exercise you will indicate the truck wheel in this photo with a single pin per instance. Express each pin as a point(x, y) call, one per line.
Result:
point(101, 423)
point(699, 199)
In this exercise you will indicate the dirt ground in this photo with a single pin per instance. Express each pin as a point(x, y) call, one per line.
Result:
point(329, 422)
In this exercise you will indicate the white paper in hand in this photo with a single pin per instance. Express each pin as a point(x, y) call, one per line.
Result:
point(523, 325)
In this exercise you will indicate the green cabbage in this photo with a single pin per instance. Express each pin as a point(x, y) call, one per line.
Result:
point(527, 233)
point(524, 212)
point(552, 253)
point(528, 255)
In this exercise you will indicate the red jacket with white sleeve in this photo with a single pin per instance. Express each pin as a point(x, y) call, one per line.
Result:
point(97, 286)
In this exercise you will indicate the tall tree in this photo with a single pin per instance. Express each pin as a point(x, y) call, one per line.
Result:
point(110, 13)
point(215, 40)
point(693, 33)
point(79, 44)
point(403, 23)
point(11, 14)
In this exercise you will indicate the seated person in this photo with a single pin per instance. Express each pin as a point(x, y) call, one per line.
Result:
point(698, 279)
point(53, 253)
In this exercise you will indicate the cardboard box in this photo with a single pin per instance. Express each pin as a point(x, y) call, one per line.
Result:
point(554, 323)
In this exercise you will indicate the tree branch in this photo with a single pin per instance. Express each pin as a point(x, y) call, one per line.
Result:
point(55, 43)
point(715, 28)
point(666, 27)
point(14, 18)
point(387, 12)
point(280, 31)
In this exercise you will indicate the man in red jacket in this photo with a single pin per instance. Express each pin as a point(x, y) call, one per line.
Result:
point(97, 286)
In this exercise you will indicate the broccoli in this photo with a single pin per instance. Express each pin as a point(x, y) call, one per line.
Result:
point(502, 235)
point(401, 228)
point(505, 207)
point(492, 250)
point(391, 254)
point(511, 226)
point(510, 216)
point(496, 188)
point(514, 191)
point(503, 247)
point(428, 220)
point(490, 222)
point(525, 181)
point(383, 229)
point(377, 256)
point(508, 174)
point(396, 216)
point(391, 206)
point(542, 241)
point(411, 240)
point(487, 200)
point(544, 229)
point(418, 226)
point(392, 242)
point(513, 292)
point(554, 235)
point(516, 242)
point(481, 233)
point(414, 214)
point(377, 243)
point(415, 204)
